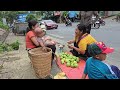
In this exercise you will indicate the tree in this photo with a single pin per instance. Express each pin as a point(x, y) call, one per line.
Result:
point(30, 17)
point(48, 14)
point(8, 15)
point(0, 19)
point(11, 16)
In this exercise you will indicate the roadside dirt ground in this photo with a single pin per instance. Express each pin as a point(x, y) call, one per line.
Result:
point(16, 64)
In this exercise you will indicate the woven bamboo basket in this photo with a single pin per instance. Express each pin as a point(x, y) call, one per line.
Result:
point(41, 61)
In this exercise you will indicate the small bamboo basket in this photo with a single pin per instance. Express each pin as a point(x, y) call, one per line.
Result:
point(41, 61)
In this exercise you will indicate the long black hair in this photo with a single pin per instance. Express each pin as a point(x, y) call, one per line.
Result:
point(82, 28)
point(30, 24)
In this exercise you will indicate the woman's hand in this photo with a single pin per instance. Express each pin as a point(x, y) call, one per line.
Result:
point(70, 46)
point(54, 42)
point(44, 48)
point(48, 38)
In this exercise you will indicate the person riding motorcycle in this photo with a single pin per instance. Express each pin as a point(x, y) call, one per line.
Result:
point(68, 21)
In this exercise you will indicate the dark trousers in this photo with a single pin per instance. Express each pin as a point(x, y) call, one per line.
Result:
point(88, 28)
point(116, 71)
point(53, 47)
point(72, 19)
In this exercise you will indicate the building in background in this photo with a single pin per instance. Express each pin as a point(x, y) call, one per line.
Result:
point(108, 13)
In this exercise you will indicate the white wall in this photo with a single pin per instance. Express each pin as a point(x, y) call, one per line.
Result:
point(110, 13)
point(116, 12)
point(113, 12)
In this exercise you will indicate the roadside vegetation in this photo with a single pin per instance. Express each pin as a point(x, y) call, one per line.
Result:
point(6, 47)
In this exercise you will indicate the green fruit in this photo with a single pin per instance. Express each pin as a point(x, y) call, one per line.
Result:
point(70, 56)
point(62, 62)
point(74, 62)
point(68, 61)
point(75, 65)
point(72, 65)
point(71, 60)
point(67, 55)
point(74, 57)
point(63, 59)
point(77, 57)
point(77, 60)
point(64, 56)
point(68, 64)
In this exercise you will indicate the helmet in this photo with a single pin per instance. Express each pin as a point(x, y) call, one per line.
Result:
point(42, 23)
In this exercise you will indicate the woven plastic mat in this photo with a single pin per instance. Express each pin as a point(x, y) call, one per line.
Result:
point(72, 73)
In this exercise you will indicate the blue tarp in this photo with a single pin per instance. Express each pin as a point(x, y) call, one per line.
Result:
point(72, 14)
point(22, 17)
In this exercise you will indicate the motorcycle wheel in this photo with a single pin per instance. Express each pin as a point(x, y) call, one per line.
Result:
point(103, 23)
point(70, 24)
point(97, 26)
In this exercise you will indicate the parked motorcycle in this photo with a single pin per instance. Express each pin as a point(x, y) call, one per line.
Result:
point(95, 23)
point(68, 22)
point(102, 22)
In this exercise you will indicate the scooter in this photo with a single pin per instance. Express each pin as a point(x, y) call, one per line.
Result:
point(95, 23)
point(102, 22)
point(68, 22)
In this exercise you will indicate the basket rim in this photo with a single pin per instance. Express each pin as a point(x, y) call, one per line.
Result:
point(31, 51)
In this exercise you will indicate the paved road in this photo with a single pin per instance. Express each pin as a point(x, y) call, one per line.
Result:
point(109, 34)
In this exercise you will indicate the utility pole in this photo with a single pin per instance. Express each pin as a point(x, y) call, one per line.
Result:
point(61, 12)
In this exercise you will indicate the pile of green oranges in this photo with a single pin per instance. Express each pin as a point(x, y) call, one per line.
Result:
point(69, 60)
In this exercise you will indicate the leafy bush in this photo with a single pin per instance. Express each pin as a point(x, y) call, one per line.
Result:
point(15, 45)
point(65, 13)
point(5, 47)
point(9, 47)
point(30, 17)
point(4, 26)
point(0, 19)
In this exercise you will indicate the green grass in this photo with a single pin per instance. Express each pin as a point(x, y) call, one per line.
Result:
point(9, 47)
point(5, 27)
